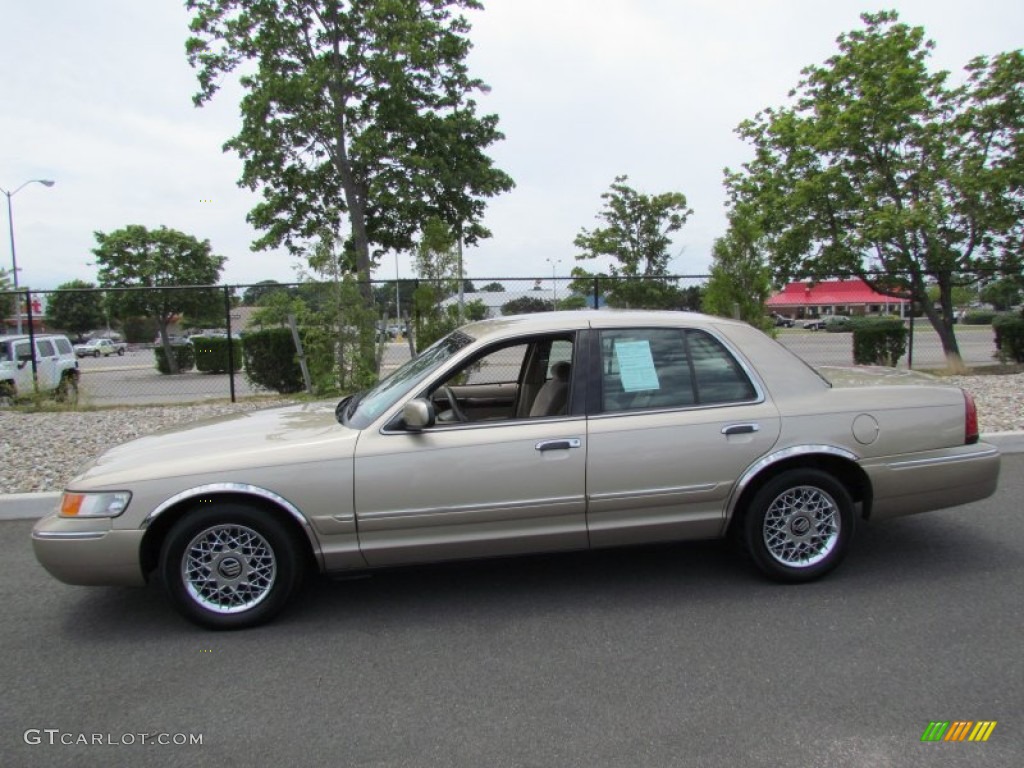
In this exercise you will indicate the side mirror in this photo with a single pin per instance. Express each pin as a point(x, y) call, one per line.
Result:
point(418, 414)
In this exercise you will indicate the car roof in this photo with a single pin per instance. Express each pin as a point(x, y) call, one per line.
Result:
point(25, 336)
point(541, 322)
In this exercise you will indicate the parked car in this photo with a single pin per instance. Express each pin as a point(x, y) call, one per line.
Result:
point(829, 323)
point(550, 431)
point(781, 321)
point(56, 368)
point(100, 347)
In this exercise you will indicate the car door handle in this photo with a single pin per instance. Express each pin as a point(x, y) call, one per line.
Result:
point(740, 429)
point(559, 445)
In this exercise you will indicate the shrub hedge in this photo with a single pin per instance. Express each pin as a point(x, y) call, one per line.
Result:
point(878, 340)
point(212, 354)
point(1009, 333)
point(979, 317)
point(272, 363)
point(182, 352)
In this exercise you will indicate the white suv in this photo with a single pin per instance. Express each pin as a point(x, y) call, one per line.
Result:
point(56, 367)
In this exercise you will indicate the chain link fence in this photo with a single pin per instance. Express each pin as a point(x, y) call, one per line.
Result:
point(334, 337)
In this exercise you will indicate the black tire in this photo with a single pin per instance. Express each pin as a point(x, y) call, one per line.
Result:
point(96, 353)
point(799, 525)
point(120, 352)
point(255, 565)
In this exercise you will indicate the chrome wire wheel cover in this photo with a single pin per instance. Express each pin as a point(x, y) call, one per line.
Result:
point(228, 568)
point(801, 526)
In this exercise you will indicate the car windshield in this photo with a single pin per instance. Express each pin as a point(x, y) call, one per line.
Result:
point(362, 410)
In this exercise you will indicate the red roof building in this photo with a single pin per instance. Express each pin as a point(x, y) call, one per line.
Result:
point(833, 297)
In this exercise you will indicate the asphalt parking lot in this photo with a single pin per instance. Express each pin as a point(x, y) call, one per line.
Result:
point(676, 655)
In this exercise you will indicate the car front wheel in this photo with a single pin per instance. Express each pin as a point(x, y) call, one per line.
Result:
point(799, 525)
point(230, 566)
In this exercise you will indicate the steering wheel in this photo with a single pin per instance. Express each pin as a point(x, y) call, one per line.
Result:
point(460, 415)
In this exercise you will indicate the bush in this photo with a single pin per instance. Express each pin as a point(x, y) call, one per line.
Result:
point(270, 360)
point(183, 353)
point(878, 340)
point(212, 354)
point(1009, 333)
point(979, 317)
point(525, 305)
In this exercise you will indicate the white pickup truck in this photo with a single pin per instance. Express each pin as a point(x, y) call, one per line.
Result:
point(100, 348)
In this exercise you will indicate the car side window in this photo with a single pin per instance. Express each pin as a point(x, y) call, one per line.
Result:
point(22, 351)
point(719, 377)
point(63, 346)
point(657, 368)
point(45, 348)
point(644, 368)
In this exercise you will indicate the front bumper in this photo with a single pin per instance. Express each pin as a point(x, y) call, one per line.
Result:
point(88, 552)
point(905, 485)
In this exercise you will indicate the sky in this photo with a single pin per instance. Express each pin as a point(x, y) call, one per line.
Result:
point(97, 96)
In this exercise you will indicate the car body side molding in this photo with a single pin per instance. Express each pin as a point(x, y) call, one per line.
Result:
point(774, 458)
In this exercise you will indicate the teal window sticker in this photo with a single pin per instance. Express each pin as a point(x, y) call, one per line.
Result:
point(636, 366)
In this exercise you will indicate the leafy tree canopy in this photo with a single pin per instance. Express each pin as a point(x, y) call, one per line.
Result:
point(525, 305)
point(76, 307)
point(358, 109)
point(740, 276)
point(880, 168)
point(136, 257)
point(493, 288)
point(636, 235)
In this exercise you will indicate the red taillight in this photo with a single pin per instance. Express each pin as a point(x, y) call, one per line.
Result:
point(970, 419)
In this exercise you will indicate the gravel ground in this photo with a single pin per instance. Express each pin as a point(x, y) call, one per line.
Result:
point(42, 451)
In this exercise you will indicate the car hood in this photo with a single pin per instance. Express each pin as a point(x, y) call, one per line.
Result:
point(275, 437)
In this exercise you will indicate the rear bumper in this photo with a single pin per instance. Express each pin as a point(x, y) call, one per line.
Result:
point(88, 552)
point(905, 485)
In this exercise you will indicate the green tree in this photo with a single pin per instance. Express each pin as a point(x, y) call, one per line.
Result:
point(136, 257)
point(493, 288)
point(1002, 294)
point(76, 307)
point(253, 293)
point(740, 275)
point(6, 299)
point(525, 305)
point(356, 109)
point(882, 170)
point(636, 235)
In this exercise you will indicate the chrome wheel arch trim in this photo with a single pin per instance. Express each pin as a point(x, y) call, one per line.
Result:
point(774, 458)
point(244, 489)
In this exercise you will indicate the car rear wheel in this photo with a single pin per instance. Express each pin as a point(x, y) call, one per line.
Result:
point(96, 353)
point(230, 566)
point(799, 525)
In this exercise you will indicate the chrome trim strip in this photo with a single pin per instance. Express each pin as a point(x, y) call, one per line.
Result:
point(249, 490)
point(914, 463)
point(458, 426)
point(79, 535)
point(774, 458)
point(652, 492)
point(466, 508)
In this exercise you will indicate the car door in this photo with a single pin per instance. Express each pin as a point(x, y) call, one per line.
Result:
point(674, 420)
point(457, 489)
point(47, 365)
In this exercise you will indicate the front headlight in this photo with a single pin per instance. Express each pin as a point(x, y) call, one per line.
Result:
point(108, 504)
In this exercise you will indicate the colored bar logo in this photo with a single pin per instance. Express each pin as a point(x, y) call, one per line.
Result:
point(958, 730)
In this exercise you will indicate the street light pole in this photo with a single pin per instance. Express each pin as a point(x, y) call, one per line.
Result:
point(14, 254)
point(554, 281)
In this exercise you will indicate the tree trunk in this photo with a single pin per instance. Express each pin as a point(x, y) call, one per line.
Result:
point(165, 342)
point(942, 322)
